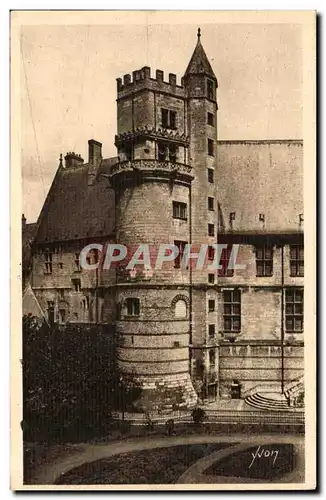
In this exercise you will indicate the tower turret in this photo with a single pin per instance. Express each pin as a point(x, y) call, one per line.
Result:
point(152, 184)
point(199, 63)
point(200, 87)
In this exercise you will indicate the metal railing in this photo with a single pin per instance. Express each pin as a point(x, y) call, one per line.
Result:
point(220, 417)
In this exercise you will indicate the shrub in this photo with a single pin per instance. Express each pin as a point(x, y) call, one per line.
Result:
point(198, 415)
point(169, 426)
point(299, 400)
point(149, 422)
point(70, 381)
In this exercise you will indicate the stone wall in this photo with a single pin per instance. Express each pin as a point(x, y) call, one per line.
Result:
point(154, 345)
point(97, 288)
point(256, 366)
point(145, 215)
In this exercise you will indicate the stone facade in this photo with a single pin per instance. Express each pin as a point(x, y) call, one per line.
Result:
point(72, 293)
point(184, 333)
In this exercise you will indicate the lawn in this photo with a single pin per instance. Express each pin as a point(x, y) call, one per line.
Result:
point(156, 466)
point(257, 463)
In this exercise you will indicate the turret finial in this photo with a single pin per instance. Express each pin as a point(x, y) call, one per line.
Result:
point(198, 33)
point(60, 160)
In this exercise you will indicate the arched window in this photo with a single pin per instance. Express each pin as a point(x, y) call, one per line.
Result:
point(180, 309)
point(179, 305)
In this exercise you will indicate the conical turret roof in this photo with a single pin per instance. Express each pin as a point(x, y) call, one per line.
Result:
point(199, 63)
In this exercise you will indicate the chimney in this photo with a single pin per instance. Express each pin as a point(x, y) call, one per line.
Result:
point(94, 152)
point(72, 159)
point(23, 222)
point(94, 160)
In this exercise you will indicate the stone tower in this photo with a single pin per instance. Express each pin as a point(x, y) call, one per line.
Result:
point(162, 146)
point(200, 87)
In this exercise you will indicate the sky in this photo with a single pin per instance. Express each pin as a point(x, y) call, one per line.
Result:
point(68, 85)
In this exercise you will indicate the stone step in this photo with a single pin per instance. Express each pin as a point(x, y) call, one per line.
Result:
point(266, 403)
point(262, 406)
point(259, 402)
point(266, 400)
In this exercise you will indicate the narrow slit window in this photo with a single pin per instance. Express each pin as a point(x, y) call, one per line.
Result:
point(210, 89)
point(211, 229)
point(211, 305)
point(210, 203)
point(224, 263)
point(210, 119)
point(210, 147)
point(181, 245)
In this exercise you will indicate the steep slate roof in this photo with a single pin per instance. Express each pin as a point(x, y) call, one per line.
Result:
point(199, 63)
point(28, 234)
point(74, 209)
point(260, 177)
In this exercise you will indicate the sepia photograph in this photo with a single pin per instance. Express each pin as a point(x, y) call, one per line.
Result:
point(163, 302)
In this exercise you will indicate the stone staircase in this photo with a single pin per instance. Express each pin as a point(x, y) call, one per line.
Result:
point(294, 391)
point(260, 398)
point(294, 386)
point(268, 401)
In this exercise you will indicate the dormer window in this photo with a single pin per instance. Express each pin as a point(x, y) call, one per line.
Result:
point(48, 262)
point(210, 89)
point(169, 118)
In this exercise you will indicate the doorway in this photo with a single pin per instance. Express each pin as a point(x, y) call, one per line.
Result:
point(235, 390)
point(211, 392)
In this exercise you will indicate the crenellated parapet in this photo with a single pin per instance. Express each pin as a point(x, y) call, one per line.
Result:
point(141, 79)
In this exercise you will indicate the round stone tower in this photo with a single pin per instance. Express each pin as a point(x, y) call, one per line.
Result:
point(152, 183)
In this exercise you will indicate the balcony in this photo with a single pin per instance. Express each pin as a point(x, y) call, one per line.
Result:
point(146, 132)
point(152, 168)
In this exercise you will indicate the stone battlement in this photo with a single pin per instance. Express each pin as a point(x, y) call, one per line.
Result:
point(141, 79)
